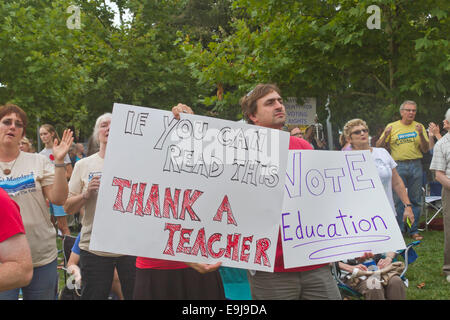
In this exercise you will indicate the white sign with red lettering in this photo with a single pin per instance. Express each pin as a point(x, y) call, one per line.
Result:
point(197, 189)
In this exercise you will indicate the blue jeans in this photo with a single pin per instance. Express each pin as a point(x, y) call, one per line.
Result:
point(412, 176)
point(43, 285)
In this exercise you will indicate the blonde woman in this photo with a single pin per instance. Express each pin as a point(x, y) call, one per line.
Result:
point(25, 145)
point(356, 133)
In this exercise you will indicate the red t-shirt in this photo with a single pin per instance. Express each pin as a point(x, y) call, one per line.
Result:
point(295, 143)
point(10, 219)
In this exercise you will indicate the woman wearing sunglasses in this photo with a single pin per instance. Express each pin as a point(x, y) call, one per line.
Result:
point(30, 178)
point(356, 133)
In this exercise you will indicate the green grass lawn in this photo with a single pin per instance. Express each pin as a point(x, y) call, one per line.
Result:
point(60, 262)
point(427, 269)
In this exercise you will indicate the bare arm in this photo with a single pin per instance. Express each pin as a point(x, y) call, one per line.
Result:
point(399, 187)
point(16, 268)
point(424, 145)
point(433, 131)
point(349, 268)
point(76, 202)
point(57, 192)
point(69, 170)
point(383, 263)
point(73, 204)
point(381, 143)
point(442, 178)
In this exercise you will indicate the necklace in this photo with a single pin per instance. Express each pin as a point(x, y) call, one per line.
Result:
point(8, 171)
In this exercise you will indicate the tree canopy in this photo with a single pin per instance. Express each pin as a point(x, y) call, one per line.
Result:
point(209, 53)
point(325, 49)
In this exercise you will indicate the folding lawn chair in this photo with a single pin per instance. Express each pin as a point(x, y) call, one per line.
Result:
point(67, 244)
point(346, 291)
point(433, 200)
point(409, 255)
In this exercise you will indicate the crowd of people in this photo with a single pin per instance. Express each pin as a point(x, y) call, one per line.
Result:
point(61, 181)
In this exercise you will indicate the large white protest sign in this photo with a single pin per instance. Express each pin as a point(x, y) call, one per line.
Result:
point(335, 208)
point(197, 189)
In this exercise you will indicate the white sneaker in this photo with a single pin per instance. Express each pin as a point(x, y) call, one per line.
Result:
point(448, 278)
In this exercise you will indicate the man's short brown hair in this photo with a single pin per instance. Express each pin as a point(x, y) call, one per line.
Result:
point(248, 102)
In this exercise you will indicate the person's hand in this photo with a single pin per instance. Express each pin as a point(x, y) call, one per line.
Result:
point(408, 213)
point(365, 256)
point(321, 143)
point(355, 269)
point(432, 128)
point(361, 267)
point(181, 108)
point(204, 267)
point(419, 129)
point(296, 132)
point(60, 149)
point(387, 131)
point(383, 263)
point(74, 270)
point(92, 188)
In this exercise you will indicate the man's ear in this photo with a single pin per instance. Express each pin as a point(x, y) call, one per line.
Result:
point(252, 118)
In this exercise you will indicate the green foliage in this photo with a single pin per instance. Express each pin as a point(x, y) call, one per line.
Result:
point(187, 51)
point(68, 77)
point(324, 48)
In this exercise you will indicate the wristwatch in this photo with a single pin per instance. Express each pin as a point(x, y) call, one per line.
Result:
point(408, 205)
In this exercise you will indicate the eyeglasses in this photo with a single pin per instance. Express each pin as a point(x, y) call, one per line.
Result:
point(359, 131)
point(9, 122)
point(410, 110)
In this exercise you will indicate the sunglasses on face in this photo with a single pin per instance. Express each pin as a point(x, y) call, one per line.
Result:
point(359, 131)
point(9, 122)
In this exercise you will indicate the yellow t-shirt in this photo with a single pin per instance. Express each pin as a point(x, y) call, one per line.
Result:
point(404, 141)
point(30, 172)
point(82, 173)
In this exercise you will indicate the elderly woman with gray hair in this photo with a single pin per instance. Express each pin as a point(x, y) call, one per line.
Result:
point(97, 268)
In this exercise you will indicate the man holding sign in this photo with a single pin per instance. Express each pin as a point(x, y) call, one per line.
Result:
point(263, 106)
point(159, 197)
